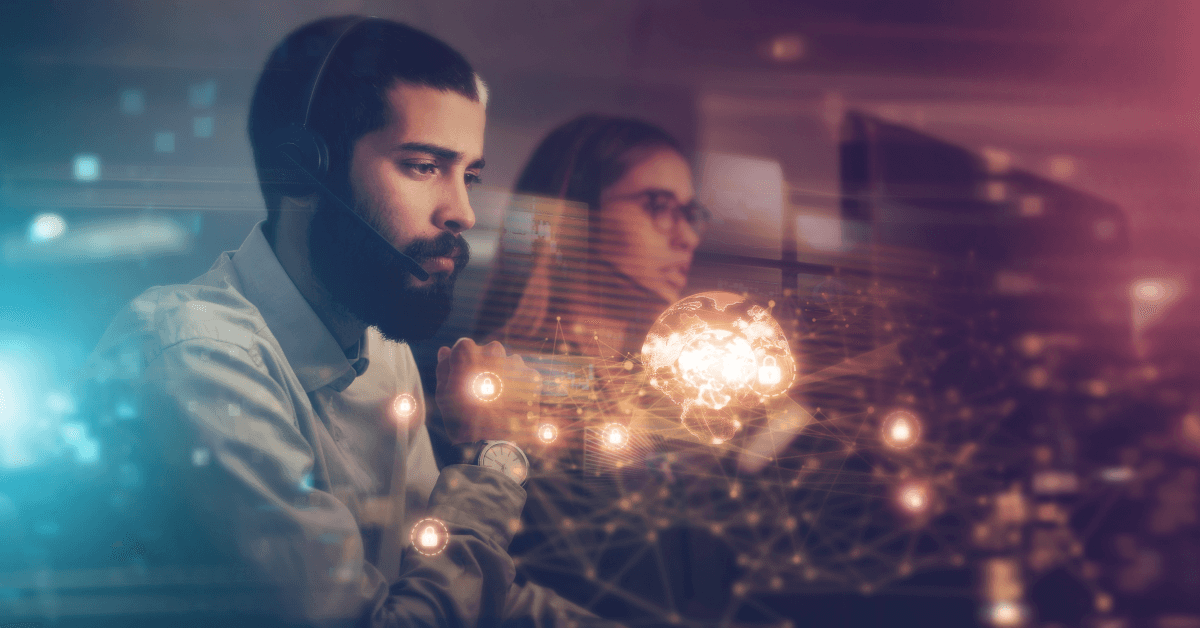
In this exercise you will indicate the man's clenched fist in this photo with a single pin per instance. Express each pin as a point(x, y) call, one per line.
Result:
point(466, 416)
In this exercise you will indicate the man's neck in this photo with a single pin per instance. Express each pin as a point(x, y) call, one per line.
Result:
point(291, 249)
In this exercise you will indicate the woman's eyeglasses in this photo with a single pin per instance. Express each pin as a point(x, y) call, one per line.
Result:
point(664, 209)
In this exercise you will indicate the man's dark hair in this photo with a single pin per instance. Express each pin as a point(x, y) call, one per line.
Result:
point(351, 99)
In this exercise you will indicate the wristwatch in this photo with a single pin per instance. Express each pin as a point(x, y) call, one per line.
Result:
point(498, 455)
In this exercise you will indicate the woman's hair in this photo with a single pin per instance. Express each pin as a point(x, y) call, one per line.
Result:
point(560, 188)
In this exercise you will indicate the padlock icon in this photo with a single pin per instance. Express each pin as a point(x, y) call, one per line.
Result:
point(429, 537)
point(486, 387)
point(405, 406)
point(548, 434)
point(769, 373)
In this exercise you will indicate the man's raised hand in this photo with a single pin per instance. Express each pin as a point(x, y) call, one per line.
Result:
point(477, 407)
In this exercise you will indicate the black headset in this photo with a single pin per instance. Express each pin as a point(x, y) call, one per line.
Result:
point(309, 153)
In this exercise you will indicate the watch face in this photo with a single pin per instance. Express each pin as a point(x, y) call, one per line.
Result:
point(505, 458)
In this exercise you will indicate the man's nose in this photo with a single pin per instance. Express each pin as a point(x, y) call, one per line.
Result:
point(454, 213)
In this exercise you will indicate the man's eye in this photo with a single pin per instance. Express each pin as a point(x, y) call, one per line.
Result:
point(421, 168)
point(472, 179)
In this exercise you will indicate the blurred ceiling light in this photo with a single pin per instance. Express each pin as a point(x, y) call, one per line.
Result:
point(122, 238)
point(820, 232)
point(45, 227)
point(87, 167)
point(996, 160)
point(164, 142)
point(786, 48)
point(1150, 290)
point(1062, 167)
point(133, 102)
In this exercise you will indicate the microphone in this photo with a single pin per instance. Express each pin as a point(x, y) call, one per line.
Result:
point(410, 264)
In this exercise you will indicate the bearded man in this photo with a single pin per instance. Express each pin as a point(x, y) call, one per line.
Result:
point(272, 407)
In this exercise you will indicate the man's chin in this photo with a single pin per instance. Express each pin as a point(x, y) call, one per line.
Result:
point(417, 315)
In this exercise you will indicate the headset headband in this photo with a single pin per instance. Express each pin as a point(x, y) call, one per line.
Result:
point(312, 94)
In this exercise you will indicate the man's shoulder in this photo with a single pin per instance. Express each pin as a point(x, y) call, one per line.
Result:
point(207, 310)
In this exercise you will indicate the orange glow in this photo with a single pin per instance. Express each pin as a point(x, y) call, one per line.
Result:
point(913, 497)
point(430, 536)
point(714, 352)
point(615, 436)
point(901, 429)
point(404, 406)
point(487, 387)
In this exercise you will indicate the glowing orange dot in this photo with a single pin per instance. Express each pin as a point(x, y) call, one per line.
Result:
point(430, 536)
point(404, 406)
point(487, 386)
point(901, 429)
point(547, 433)
point(913, 497)
point(615, 435)
point(1005, 614)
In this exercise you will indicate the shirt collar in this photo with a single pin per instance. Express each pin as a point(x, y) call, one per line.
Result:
point(311, 350)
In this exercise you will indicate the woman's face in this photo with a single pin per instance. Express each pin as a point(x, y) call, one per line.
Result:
point(653, 251)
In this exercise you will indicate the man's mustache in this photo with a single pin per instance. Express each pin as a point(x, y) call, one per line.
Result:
point(444, 245)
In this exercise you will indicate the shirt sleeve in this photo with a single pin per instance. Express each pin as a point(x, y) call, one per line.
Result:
point(221, 437)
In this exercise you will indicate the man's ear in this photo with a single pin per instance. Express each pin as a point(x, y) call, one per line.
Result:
point(306, 204)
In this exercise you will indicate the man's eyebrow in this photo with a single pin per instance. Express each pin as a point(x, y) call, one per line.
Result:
point(440, 152)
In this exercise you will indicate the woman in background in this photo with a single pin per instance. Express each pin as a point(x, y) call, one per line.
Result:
point(615, 226)
point(598, 242)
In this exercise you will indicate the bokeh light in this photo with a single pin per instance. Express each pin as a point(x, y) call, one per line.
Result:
point(46, 227)
point(913, 497)
point(1005, 614)
point(86, 167)
point(901, 429)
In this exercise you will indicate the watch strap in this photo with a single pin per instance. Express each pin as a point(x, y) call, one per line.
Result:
point(467, 453)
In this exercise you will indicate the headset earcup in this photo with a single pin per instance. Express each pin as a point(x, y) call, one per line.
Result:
point(301, 150)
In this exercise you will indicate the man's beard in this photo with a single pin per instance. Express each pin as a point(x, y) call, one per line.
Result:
point(367, 277)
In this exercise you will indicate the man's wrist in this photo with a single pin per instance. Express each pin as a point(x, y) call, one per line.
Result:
point(498, 455)
point(466, 453)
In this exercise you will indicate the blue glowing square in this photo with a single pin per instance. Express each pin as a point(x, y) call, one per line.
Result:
point(133, 102)
point(164, 142)
point(87, 167)
point(202, 95)
point(202, 126)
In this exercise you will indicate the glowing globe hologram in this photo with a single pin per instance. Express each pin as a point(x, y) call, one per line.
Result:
point(430, 536)
point(547, 433)
point(901, 429)
point(714, 352)
point(614, 436)
point(404, 406)
point(487, 387)
point(718, 425)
